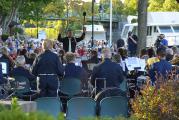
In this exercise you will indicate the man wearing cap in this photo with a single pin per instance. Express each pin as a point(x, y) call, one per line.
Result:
point(69, 42)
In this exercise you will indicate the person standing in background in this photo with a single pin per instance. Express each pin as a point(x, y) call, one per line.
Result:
point(164, 42)
point(132, 44)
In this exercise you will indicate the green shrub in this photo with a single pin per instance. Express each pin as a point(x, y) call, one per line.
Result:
point(158, 103)
point(16, 113)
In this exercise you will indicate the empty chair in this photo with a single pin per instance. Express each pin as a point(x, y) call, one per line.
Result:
point(70, 86)
point(80, 107)
point(108, 92)
point(50, 105)
point(114, 107)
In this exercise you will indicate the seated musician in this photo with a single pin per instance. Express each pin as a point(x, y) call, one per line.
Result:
point(20, 70)
point(71, 70)
point(162, 68)
point(109, 70)
point(93, 57)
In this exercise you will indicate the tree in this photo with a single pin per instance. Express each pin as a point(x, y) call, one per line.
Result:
point(117, 6)
point(130, 7)
point(170, 5)
point(155, 5)
point(9, 9)
point(142, 24)
point(163, 5)
point(55, 8)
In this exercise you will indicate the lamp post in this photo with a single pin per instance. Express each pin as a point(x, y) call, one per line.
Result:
point(84, 18)
point(92, 36)
point(110, 35)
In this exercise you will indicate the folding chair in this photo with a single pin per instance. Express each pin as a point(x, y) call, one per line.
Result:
point(50, 105)
point(69, 87)
point(108, 92)
point(97, 82)
point(114, 107)
point(23, 89)
point(80, 107)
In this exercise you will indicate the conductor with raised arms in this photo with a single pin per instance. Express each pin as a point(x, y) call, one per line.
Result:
point(69, 42)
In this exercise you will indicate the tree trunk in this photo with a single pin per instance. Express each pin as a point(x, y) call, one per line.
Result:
point(142, 24)
point(6, 20)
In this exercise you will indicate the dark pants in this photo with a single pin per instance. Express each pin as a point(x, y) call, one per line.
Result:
point(48, 86)
point(132, 53)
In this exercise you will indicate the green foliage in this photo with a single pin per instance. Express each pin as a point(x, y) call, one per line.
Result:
point(159, 103)
point(4, 37)
point(163, 5)
point(117, 6)
point(170, 5)
point(55, 8)
point(14, 105)
point(18, 30)
point(16, 113)
point(130, 7)
point(5, 6)
point(155, 5)
point(50, 27)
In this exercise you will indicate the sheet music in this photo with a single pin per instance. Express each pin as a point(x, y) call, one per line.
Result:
point(134, 62)
point(142, 64)
point(4, 67)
